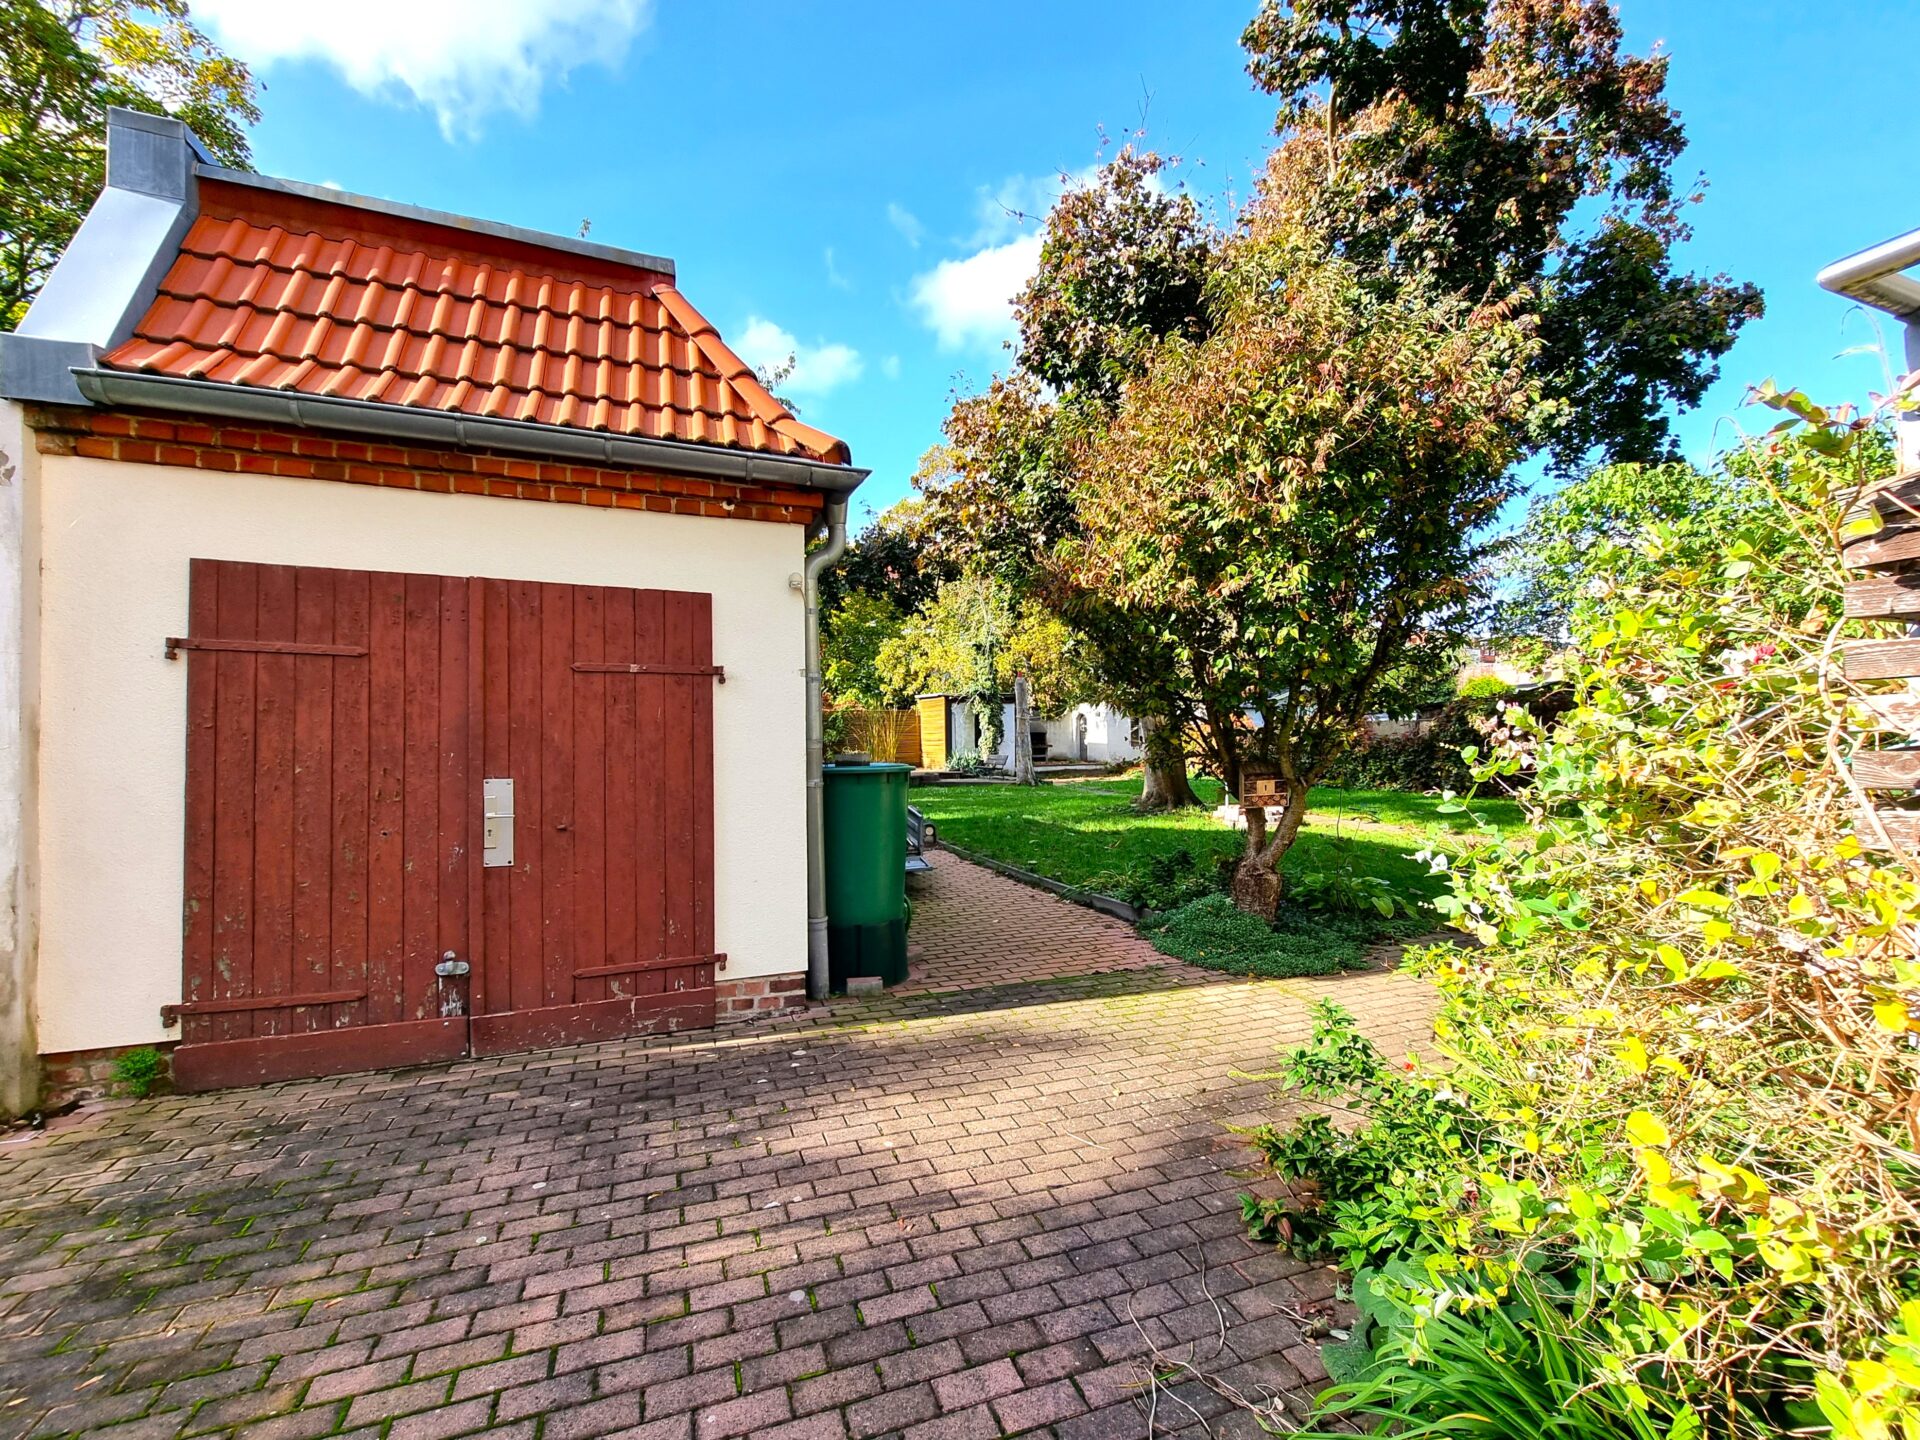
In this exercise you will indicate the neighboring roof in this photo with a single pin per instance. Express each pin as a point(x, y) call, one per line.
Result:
point(275, 288)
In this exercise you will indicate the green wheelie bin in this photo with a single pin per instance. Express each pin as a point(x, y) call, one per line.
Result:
point(866, 844)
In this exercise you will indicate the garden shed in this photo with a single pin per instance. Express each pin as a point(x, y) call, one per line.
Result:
point(408, 622)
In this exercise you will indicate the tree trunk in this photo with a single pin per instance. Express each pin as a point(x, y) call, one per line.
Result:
point(1164, 784)
point(1258, 885)
point(1022, 733)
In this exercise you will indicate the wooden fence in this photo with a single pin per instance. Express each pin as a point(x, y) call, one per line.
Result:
point(892, 735)
point(1889, 590)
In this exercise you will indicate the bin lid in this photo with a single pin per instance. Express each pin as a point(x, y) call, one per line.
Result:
point(867, 767)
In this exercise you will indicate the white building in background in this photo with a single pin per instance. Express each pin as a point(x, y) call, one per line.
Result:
point(1096, 734)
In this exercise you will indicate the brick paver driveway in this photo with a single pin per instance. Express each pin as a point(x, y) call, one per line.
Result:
point(937, 1216)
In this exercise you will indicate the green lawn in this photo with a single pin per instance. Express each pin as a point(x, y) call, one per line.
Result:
point(1085, 832)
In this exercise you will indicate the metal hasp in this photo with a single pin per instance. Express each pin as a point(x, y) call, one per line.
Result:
point(496, 839)
point(1873, 277)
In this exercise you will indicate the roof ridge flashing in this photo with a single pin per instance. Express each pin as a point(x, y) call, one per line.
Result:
point(494, 229)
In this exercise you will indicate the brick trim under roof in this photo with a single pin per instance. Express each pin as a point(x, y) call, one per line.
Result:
point(279, 291)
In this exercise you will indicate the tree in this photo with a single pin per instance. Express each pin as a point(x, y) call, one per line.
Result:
point(64, 62)
point(1123, 265)
point(1496, 147)
point(892, 557)
point(1619, 525)
point(1299, 501)
point(973, 638)
point(852, 640)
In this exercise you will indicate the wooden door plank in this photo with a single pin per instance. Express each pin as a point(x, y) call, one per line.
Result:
point(386, 817)
point(624, 858)
point(352, 798)
point(658, 741)
point(1889, 546)
point(314, 608)
point(556, 817)
point(497, 884)
point(1884, 597)
point(453, 832)
point(526, 745)
point(703, 814)
point(198, 911)
point(656, 1013)
point(1899, 714)
point(676, 781)
point(590, 795)
point(329, 1052)
point(238, 614)
point(274, 704)
point(1881, 659)
point(476, 875)
point(421, 884)
point(1886, 769)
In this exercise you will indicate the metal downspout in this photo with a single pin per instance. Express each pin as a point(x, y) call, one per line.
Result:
point(829, 553)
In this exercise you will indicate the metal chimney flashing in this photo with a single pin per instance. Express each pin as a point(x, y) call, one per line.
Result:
point(112, 269)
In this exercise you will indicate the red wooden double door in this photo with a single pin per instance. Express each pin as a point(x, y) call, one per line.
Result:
point(347, 731)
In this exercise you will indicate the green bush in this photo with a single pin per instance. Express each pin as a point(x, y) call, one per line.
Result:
point(138, 1071)
point(1215, 934)
point(1485, 687)
point(1436, 758)
point(1169, 881)
point(1681, 1060)
point(1524, 1367)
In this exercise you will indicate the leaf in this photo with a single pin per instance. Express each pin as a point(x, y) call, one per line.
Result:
point(1704, 899)
point(1645, 1129)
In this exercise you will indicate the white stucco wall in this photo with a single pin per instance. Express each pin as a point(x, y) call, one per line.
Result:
point(112, 754)
point(19, 469)
point(1109, 735)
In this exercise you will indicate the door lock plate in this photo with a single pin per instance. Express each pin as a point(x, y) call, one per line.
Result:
point(496, 832)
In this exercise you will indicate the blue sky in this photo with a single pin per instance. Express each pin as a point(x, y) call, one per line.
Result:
point(837, 178)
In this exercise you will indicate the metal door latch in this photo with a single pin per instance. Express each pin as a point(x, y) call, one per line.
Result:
point(451, 966)
point(496, 822)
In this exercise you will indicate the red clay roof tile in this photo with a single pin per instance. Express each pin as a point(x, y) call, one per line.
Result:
point(288, 293)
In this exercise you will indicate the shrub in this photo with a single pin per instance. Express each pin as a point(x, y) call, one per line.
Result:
point(1170, 881)
point(1521, 1367)
point(1215, 934)
point(1681, 1065)
point(1438, 758)
point(1485, 687)
point(138, 1071)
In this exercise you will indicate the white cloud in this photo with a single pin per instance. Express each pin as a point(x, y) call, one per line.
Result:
point(834, 277)
point(890, 367)
point(1020, 201)
point(906, 222)
point(462, 59)
point(816, 368)
point(969, 302)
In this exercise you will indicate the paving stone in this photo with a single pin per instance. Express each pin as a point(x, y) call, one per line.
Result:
point(995, 1186)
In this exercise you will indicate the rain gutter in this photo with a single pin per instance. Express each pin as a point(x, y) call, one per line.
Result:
point(1874, 277)
point(441, 429)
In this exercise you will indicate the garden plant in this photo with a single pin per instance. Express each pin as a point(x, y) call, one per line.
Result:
point(1662, 1182)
